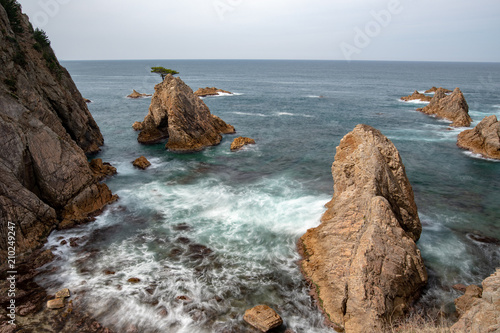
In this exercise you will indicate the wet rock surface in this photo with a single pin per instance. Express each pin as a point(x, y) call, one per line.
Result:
point(484, 139)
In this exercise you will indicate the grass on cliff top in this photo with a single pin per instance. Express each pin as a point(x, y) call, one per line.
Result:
point(419, 322)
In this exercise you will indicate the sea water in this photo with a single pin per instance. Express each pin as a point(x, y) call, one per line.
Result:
point(207, 235)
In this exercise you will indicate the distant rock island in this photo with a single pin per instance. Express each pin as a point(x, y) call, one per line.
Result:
point(203, 92)
point(484, 139)
point(452, 107)
point(240, 142)
point(416, 96)
point(136, 94)
point(434, 89)
point(178, 115)
point(362, 260)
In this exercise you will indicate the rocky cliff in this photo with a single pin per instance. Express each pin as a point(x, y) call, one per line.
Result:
point(416, 96)
point(178, 114)
point(482, 312)
point(452, 107)
point(483, 139)
point(46, 130)
point(362, 260)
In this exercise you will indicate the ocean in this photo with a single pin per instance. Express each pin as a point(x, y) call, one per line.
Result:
point(208, 235)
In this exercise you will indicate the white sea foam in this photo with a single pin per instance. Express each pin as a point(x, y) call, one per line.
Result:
point(294, 115)
point(480, 157)
point(250, 114)
point(414, 101)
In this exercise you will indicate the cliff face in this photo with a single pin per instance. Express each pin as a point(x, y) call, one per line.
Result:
point(452, 107)
point(483, 139)
point(362, 259)
point(46, 129)
point(178, 114)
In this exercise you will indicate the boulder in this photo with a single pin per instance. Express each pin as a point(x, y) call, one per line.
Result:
point(480, 312)
point(362, 260)
point(434, 89)
point(483, 139)
point(63, 293)
point(137, 126)
point(136, 94)
point(452, 107)
point(101, 170)
point(263, 318)
point(46, 131)
point(416, 96)
point(178, 114)
point(86, 100)
point(203, 92)
point(239, 142)
point(55, 304)
point(141, 163)
point(465, 302)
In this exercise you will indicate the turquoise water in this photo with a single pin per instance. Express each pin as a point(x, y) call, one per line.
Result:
point(212, 234)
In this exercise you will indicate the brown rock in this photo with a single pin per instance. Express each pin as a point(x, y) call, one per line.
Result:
point(239, 142)
point(136, 94)
point(480, 312)
point(434, 89)
point(137, 126)
point(465, 302)
point(363, 259)
point(46, 130)
point(64, 293)
point(177, 114)
point(417, 96)
point(452, 107)
point(134, 280)
point(86, 100)
point(141, 163)
point(203, 92)
point(460, 287)
point(101, 170)
point(263, 318)
point(55, 304)
point(483, 139)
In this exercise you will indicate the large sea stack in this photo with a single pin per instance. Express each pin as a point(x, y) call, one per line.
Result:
point(362, 260)
point(46, 132)
point(483, 139)
point(178, 114)
point(452, 107)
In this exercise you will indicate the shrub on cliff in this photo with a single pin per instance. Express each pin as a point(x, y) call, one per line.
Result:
point(12, 7)
point(163, 71)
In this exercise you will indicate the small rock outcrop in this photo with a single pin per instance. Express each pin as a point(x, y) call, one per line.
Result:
point(58, 302)
point(465, 302)
point(480, 311)
point(452, 107)
point(141, 163)
point(239, 142)
point(178, 114)
point(483, 139)
point(136, 94)
point(101, 169)
point(362, 259)
point(203, 92)
point(137, 126)
point(434, 89)
point(263, 318)
point(416, 96)
point(46, 131)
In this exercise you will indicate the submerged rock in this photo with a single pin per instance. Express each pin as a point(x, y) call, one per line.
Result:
point(483, 139)
point(203, 92)
point(136, 94)
point(239, 142)
point(362, 259)
point(417, 96)
point(480, 311)
point(142, 163)
point(46, 130)
point(452, 107)
point(178, 114)
point(263, 318)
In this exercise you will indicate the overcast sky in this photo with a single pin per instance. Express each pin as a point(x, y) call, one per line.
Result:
point(425, 30)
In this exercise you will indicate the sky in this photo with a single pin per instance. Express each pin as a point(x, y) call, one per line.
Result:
point(405, 30)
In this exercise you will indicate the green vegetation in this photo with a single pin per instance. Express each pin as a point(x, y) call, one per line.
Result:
point(42, 44)
point(163, 71)
point(12, 7)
